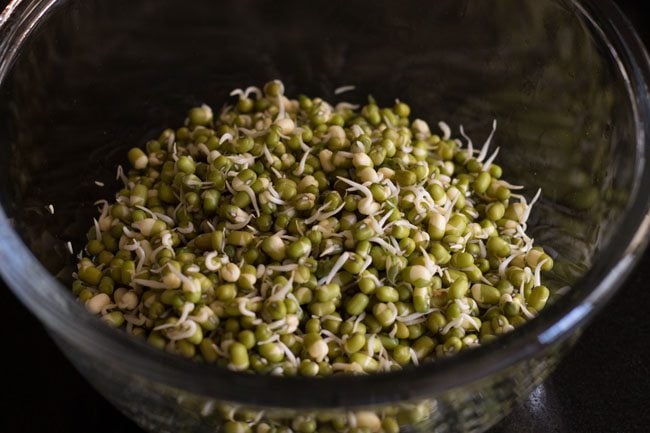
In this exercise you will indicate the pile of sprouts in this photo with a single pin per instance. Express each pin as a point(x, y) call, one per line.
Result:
point(290, 236)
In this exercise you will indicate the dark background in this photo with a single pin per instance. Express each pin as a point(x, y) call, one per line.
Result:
point(603, 385)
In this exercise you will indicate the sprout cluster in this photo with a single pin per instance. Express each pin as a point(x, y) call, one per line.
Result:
point(291, 236)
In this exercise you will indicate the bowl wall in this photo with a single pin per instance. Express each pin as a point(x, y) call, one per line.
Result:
point(92, 79)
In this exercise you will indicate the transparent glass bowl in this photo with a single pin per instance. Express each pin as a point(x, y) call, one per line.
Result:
point(81, 82)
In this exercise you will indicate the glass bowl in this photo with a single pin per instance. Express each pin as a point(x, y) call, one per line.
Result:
point(81, 82)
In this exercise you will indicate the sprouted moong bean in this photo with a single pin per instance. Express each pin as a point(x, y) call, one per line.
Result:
point(289, 236)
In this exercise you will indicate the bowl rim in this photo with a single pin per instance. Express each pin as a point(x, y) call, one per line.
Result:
point(31, 283)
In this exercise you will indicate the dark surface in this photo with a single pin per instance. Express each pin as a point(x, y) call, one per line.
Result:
point(602, 386)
